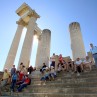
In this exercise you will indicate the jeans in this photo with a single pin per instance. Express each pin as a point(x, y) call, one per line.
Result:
point(13, 83)
point(21, 87)
point(95, 59)
point(4, 82)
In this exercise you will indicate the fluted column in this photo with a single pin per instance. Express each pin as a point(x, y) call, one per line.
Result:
point(28, 43)
point(14, 46)
point(43, 51)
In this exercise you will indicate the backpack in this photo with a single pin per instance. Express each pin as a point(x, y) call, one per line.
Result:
point(14, 76)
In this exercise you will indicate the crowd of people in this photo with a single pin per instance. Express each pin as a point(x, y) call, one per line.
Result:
point(16, 78)
point(21, 79)
point(77, 66)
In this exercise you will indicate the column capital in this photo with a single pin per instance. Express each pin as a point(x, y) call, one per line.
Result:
point(32, 13)
point(39, 37)
point(21, 22)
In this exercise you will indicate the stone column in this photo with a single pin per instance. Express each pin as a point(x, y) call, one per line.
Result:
point(28, 43)
point(14, 46)
point(77, 44)
point(43, 51)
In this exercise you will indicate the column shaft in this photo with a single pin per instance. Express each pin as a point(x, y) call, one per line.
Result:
point(43, 51)
point(13, 49)
point(28, 43)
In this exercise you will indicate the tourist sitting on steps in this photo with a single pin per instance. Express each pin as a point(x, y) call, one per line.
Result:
point(24, 84)
point(43, 68)
point(52, 72)
point(78, 66)
point(60, 67)
point(30, 69)
point(46, 76)
point(5, 78)
point(70, 65)
point(87, 63)
point(64, 65)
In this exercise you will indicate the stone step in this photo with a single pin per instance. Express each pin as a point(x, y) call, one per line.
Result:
point(70, 80)
point(62, 90)
point(69, 77)
point(75, 75)
point(46, 89)
point(51, 95)
point(75, 84)
point(66, 73)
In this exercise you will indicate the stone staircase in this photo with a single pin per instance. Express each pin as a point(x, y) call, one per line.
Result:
point(65, 85)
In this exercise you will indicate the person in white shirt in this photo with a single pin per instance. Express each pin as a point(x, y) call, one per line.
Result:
point(52, 72)
point(93, 50)
point(87, 63)
point(78, 65)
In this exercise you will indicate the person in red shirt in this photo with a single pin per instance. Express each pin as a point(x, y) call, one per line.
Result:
point(24, 84)
point(60, 64)
point(60, 58)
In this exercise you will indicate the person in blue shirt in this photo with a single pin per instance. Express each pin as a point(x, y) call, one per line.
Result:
point(93, 50)
point(14, 80)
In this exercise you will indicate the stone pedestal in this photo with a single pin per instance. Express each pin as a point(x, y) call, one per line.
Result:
point(14, 46)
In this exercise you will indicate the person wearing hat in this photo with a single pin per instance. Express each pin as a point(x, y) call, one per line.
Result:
point(5, 78)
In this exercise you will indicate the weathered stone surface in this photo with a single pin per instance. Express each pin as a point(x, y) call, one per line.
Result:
point(43, 51)
point(77, 44)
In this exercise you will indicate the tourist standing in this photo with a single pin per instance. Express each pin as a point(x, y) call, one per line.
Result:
point(93, 50)
point(13, 70)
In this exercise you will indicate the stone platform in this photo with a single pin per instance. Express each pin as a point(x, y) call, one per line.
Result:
point(65, 85)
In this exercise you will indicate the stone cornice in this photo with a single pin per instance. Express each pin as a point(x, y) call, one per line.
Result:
point(32, 13)
point(21, 22)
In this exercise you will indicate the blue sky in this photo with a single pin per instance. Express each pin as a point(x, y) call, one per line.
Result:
point(56, 15)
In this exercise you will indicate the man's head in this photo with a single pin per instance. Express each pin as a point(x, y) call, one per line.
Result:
point(23, 66)
point(78, 59)
point(26, 76)
point(21, 63)
point(53, 54)
point(14, 66)
point(91, 45)
point(43, 64)
point(5, 70)
point(87, 57)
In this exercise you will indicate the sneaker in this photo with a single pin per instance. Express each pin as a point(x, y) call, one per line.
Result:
point(44, 84)
point(75, 72)
point(72, 72)
point(78, 74)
